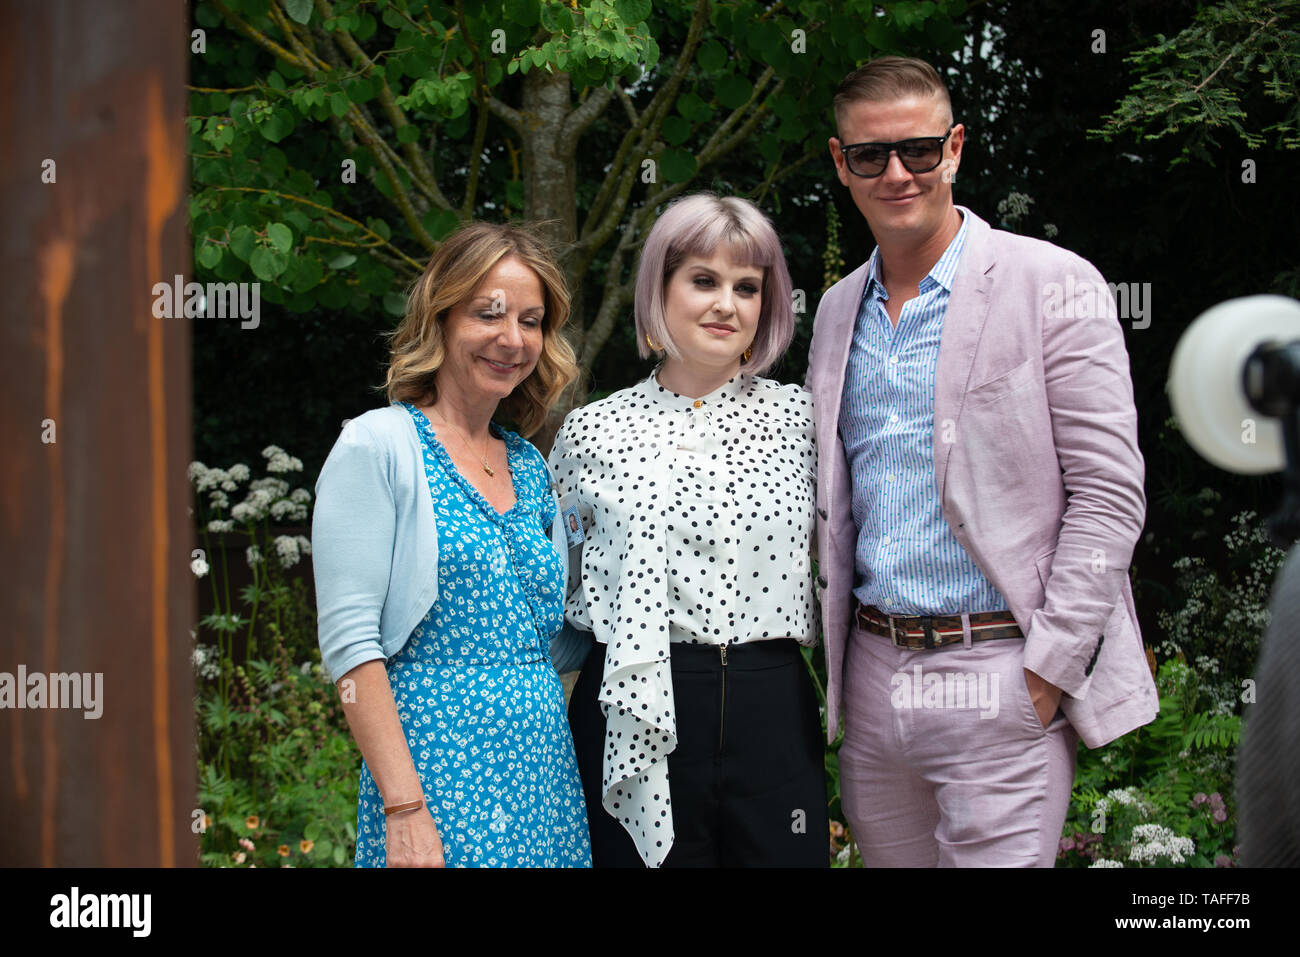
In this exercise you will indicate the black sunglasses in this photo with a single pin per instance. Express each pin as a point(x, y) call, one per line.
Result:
point(918, 155)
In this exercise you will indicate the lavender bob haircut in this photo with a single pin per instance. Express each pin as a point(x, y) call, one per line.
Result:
point(697, 225)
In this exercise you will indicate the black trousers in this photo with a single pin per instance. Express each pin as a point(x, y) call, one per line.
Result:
point(747, 778)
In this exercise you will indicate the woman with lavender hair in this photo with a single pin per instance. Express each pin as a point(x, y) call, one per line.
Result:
point(694, 719)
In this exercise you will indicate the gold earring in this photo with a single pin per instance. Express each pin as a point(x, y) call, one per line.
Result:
point(749, 351)
point(654, 347)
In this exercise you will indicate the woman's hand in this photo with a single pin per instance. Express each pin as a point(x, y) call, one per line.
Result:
point(412, 839)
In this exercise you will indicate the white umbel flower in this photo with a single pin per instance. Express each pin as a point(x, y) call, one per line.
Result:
point(199, 567)
point(280, 461)
point(253, 555)
point(287, 550)
point(1151, 842)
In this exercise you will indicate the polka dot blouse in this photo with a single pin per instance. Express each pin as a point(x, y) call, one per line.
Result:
point(698, 516)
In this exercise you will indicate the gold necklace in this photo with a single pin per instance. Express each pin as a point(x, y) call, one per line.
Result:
point(482, 458)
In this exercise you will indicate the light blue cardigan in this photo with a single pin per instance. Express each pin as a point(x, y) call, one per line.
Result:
point(375, 545)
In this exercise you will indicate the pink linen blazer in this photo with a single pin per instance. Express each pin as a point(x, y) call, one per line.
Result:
point(1036, 465)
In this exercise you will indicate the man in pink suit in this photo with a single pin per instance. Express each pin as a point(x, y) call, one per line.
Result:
point(979, 494)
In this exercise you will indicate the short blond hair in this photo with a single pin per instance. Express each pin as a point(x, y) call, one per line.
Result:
point(890, 78)
point(454, 272)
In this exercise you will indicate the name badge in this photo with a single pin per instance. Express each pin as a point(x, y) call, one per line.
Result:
point(572, 520)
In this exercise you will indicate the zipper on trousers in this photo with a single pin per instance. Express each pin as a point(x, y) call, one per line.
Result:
point(722, 716)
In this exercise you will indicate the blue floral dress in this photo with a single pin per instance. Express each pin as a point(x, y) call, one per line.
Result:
point(478, 697)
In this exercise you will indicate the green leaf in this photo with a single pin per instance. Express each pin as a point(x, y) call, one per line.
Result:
point(677, 165)
point(440, 222)
point(310, 273)
point(514, 194)
point(268, 263)
point(338, 854)
point(242, 240)
point(691, 106)
point(281, 236)
point(299, 10)
point(408, 133)
point(341, 261)
point(366, 28)
point(395, 304)
point(209, 256)
point(632, 12)
point(733, 90)
point(277, 126)
point(712, 56)
point(676, 130)
point(380, 227)
point(339, 104)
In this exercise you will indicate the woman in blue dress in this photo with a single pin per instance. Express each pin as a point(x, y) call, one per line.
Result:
point(440, 568)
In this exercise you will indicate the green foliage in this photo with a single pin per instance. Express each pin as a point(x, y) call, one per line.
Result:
point(277, 764)
point(1217, 613)
point(1236, 67)
point(1155, 797)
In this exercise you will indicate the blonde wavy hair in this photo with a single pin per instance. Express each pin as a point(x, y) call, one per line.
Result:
point(457, 269)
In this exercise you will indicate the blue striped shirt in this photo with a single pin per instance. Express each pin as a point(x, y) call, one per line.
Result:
point(907, 560)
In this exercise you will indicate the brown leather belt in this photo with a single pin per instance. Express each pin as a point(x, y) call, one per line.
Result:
point(935, 631)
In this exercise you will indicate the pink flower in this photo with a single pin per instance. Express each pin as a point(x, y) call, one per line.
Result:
point(1223, 860)
point(1067, 844)
point(1199, 799)
point(246, 844)
point(1220, 814)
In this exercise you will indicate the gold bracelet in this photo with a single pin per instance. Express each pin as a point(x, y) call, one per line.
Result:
point(409, 806)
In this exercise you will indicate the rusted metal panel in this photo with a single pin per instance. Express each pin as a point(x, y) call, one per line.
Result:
point(95, 423)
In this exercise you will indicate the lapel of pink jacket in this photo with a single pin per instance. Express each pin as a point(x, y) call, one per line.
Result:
point(963, 325)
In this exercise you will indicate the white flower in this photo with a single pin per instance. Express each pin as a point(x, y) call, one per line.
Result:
point(1103, 862)
point(1050, 231)
point(284, 463)
point(278, 488)
point(300, 496)
point(238, 473)
point(1154, 841)
point(282, 508)
point(196, 470)
point(287, 549)
point(245, 514)
point(212, 478)
point(304, 544)
point(199, 567)
point(229, 486)
point(253, 554)
point(218, 525)
point(218, 499)
point(280, 461)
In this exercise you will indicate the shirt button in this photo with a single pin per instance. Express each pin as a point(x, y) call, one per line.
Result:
point(894, 417)
point(698, 403)
point(890, 477)
point(893, 360)
point(886, 540)
point(889, 601)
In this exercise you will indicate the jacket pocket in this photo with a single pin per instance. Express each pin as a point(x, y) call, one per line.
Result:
point(1007, 383)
